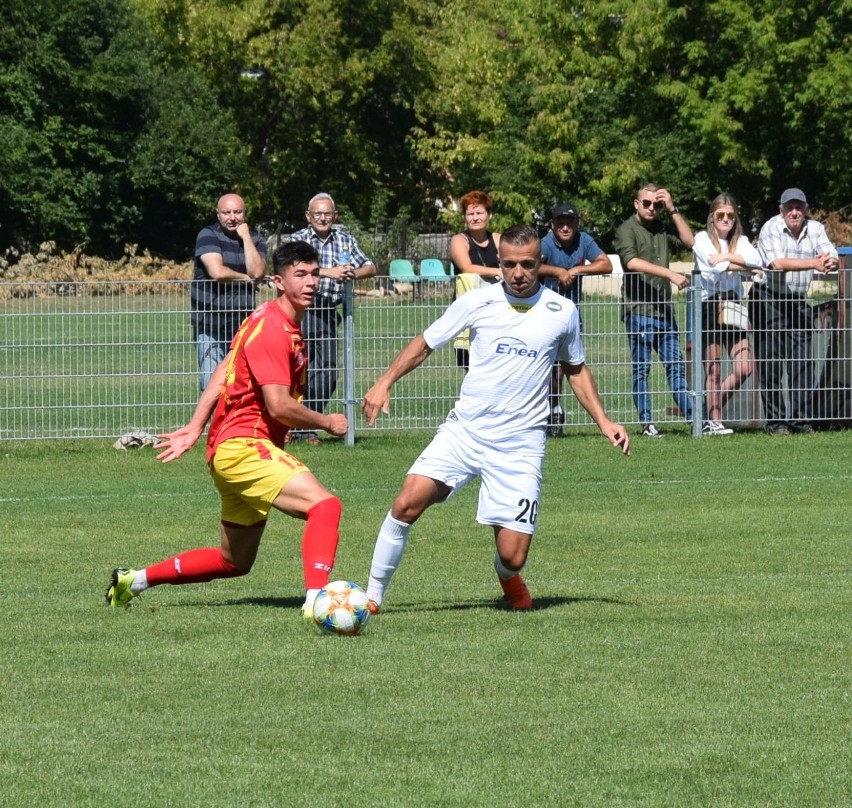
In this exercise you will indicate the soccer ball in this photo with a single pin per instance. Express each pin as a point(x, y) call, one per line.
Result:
point(341, 608)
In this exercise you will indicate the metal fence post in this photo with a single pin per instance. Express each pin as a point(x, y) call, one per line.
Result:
point(694, 302)
point(349, 362)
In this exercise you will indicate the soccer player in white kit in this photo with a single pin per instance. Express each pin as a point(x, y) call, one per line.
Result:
point(496, 429)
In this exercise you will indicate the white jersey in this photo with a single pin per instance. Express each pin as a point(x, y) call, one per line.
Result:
point(514, 342)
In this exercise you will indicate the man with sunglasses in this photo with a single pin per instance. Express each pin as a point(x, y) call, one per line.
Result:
point(643, 244)
point(496, 429)
point(567, 254)
point(793, 247)
point(341, 260)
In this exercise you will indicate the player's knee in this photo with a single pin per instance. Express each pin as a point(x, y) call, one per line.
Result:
point(408, 507)
point(329, 509)
point(235, 567)
point(514, 560)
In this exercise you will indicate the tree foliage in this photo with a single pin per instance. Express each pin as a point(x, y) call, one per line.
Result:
point(100, 144)
point(113, 131)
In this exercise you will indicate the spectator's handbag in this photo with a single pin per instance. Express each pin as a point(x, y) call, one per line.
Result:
point(732, 314)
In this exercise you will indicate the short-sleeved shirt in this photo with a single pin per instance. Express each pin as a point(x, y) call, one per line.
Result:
point(716, 279)
point(218, 307)
point(267, 349)
point(642, 293)
point(514, 342)
point(776, 240)
point(340, 240)
point(581, 249)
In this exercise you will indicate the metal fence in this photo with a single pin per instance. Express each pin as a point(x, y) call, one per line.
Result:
point(99, 359)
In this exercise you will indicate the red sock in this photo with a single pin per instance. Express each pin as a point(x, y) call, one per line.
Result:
point(192, 567)
point(319, 542)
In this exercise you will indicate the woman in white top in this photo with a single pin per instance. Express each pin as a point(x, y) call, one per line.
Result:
point(723, 255)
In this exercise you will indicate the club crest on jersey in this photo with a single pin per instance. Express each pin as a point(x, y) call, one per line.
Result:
point(511, 346)
point(552, 305)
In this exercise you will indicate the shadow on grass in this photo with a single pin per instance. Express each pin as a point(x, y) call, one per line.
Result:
point(275, 603)
point(540, 604)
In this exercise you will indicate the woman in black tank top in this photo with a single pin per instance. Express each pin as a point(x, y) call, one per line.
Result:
point(474, 255)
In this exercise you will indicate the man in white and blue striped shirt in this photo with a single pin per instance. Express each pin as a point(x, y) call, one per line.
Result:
point(792, 247)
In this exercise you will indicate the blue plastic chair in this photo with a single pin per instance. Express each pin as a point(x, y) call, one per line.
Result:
point(432, 269)
point(401, 269)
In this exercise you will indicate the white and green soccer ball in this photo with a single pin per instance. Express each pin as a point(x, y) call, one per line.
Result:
point(341, 607)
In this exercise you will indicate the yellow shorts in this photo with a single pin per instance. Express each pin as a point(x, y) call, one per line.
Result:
point(250, 474)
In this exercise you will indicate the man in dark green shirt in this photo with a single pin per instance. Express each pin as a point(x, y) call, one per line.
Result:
point(643, 245)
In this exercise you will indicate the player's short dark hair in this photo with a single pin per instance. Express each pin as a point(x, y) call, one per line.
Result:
point(293, 252)
point(519, 235)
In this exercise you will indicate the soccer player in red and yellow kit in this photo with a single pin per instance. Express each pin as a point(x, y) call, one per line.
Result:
point(256, 392)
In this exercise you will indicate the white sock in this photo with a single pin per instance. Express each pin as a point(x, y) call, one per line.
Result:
point(310, 597)
point(140, 582)
point(390, 545)
point(503, 572)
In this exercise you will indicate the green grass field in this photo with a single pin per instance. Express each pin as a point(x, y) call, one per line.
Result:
point(690, 645)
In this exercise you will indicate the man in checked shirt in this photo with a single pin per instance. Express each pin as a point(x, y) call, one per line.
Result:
point(340, 260)
point(793, 247)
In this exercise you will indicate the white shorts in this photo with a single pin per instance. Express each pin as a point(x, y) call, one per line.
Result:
point(511, 480)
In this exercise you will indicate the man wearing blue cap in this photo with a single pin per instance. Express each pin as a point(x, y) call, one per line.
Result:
point(793, 247)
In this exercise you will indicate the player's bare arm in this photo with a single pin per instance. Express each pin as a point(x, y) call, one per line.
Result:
point(583, 385)
point(377, 398)
point(176, 443)
point(281, 405)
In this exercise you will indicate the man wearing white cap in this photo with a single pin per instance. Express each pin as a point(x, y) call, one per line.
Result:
point(792, 247)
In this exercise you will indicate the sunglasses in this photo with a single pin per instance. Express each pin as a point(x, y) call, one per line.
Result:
point(722, 216)
point(647, 203)
point(528, 264)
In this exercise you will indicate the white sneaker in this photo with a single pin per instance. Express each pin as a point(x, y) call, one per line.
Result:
point(650, 431)
point(716, 428)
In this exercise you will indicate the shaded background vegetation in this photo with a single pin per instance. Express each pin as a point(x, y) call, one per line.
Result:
point(123, 120)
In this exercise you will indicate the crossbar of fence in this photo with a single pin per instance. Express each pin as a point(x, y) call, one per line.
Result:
point(98, 359)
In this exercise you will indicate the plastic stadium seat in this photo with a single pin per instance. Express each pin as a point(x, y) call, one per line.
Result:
point(432, 269)
point(401, 269)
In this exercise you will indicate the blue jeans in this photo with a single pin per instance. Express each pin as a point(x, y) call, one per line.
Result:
point(660, 334)
point(211, 352)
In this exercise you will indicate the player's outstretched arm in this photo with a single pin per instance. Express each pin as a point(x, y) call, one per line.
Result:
point(377, 398)
point(174, 444)
point(584, 387)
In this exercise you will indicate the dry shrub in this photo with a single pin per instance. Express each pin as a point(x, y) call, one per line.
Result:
point(76, 273)
point(838, 225)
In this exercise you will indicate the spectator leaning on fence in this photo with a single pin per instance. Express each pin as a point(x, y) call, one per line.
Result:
point(643, 244)
point(722, 255)
point(474, 255)
point(230, 258)
point(567, 253)
point(341, 260)
point(792, 247)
